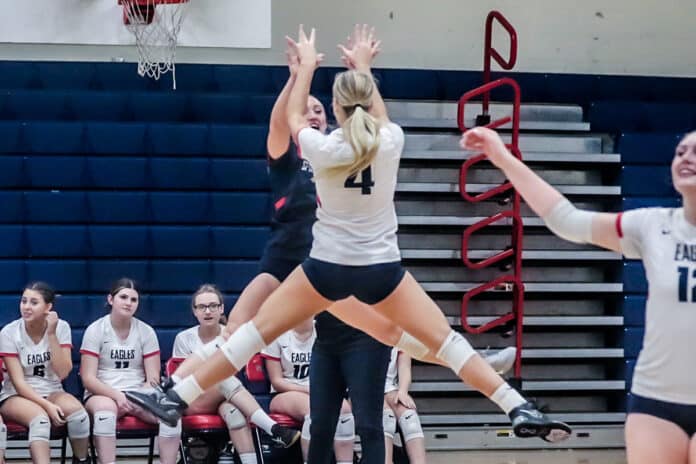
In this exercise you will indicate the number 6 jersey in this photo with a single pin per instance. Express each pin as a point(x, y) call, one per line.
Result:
point(35, 358)
point(120, 361)
point(666, 243)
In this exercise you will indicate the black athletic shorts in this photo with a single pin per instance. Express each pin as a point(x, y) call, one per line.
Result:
point(369, 284)
point(683, 415)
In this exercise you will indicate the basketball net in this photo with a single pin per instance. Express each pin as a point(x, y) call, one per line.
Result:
point(155, 25)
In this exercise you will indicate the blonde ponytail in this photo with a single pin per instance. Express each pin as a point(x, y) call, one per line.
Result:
point(353, 92)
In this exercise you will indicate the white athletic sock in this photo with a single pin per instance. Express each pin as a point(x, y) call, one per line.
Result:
point(248, 458)
point(175, 378)
point(188, 389)
point(507, 398)
point(263, 420)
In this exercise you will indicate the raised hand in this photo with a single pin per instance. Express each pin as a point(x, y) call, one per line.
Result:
point(487, 141)
point(361, 48)
point(51, 322)
point(304, 48)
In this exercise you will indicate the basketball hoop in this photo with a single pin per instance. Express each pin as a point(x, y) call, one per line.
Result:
point(155, 25)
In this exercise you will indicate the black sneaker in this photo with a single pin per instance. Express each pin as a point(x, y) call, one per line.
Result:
point(168, 407)
point(528, 421)
point(284, 436)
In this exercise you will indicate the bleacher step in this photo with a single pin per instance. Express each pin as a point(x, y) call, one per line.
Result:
point(548, 321)
point(529, 157)
point(528, 142)
point(443, 187)
point(527, 385)
point(541, 255)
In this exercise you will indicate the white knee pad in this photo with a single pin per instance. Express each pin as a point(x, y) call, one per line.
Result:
point(244, 343)
point(206, 351)
point(166, 431)
point(306, 435)
point(104, 424)
point(410, 425)
point(411, 346)
point(389, 423)
point(232, 416)
point(78, 424)
point(40, 429)
point(455, 351)
point(345, 429)
point(570, 223)
point(3, 436)
point(229, 387)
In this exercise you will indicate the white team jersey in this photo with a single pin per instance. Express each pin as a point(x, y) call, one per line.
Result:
point(392, 382)
point(35, 358)
point(666, 243)
point(187, 341)
point(120, 361)
point(294, 355)
point(356, 220)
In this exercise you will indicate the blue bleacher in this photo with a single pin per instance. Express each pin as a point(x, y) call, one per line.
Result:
point(633, 308)
point(158, 107)
point(240, 208)
point(103, 273)
point(616, 116)
point(180, 207)
point(641, 148)
point(56, 207)
point(226, 109)
point(72, 308)
point(633, 341)
point(12, 241)
point(70, 276)
point(53, 241)
point(180, 242)
point(180, 173)
point(229, 174)
point(29, 105)
point(56, 172)
point(97, 106)
point(166, 341)
point(179, 276)
point(238, 242)
point(115, 138)
point(170, 311)
point(237, 140)
point(11, 171)
point(233, 276)
point(118, 207)
point(629, 367)
point(660, 185)
point(9, 307)
point(52, 75)
point(112, 173)
point(628, 203)
point(10, 136)
point(178, 139)
point(119, 241)
point(634, 277)
point(54, 137)
point(11, 207)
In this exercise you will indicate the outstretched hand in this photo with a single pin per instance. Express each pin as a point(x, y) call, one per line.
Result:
point(303, 50)
point(487, 141)
point(361, 48)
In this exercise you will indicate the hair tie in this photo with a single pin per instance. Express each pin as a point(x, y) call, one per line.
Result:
point(359, 105)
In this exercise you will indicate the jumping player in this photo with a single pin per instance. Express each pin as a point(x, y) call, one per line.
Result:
point(354, 249)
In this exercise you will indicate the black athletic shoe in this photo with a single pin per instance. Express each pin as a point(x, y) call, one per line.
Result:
point(168, 407)
point(284, 436)
point(528, 421)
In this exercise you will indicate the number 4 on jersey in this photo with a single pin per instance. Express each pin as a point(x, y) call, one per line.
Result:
point(366, 183)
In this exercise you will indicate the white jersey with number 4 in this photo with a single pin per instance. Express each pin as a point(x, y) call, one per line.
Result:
point(356, 220)
point(188, 341)
point(120, 361)
point(35, 358)
point(294, 355)
point(666, 243)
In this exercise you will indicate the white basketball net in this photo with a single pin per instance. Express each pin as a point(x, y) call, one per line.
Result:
point(155, 40)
